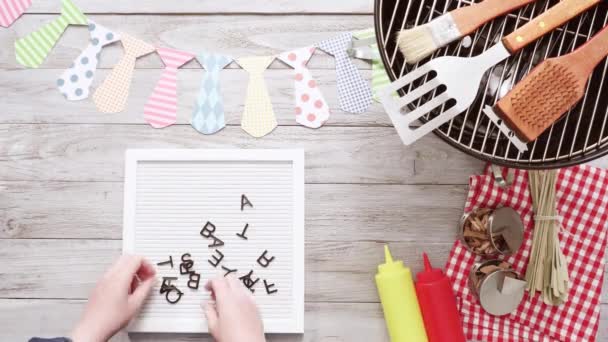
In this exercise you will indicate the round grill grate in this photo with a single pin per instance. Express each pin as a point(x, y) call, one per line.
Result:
point(579, 136)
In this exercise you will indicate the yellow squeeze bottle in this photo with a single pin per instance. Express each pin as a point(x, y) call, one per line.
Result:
point(399, 302)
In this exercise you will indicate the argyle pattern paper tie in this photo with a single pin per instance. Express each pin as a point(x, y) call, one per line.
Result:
point(311, 108)
point(208, 114)
point(33, 49)
point(379, 77)
point(111, 96)
point(76, 81)
point(354, 93)
point(161, 109)
point(258, 117)
point(10, 10)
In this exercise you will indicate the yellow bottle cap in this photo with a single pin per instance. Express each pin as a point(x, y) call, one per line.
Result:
point(389, 265)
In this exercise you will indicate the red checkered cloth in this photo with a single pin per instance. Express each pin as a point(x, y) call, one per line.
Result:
point(582, 202)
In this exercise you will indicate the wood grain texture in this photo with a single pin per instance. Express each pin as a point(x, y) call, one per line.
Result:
point(546, 22)
point(470, 18)
point(324, 322)
point(211, 7)
point(336, 271)
point(334, 212)
point(86, 152)
point(61, 164)
point(246, 35)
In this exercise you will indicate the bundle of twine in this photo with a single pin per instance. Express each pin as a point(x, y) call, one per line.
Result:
point(547, 270)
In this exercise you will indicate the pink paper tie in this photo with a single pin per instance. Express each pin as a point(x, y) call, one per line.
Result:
point(311, 108)
point(161, 108)
point(10, 10)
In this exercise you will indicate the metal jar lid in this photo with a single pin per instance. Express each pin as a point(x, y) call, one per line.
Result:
point(503, 228)
point(505, 224)
point(499, 292)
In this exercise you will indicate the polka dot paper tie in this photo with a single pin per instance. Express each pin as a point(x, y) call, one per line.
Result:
point(354, 93)
point(258, 117)
point(311, 108)
point(10, 10)
point(161, 109)
point(111, 96)
point(208, 113)
point(76, 81)
point(32, 49)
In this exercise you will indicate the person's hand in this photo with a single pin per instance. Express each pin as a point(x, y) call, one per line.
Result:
point(116, 299)
point(235, 316)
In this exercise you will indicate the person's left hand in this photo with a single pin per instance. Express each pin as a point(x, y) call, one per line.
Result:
point(116, 299)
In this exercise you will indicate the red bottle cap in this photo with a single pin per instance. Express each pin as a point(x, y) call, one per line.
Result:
point(429, 274)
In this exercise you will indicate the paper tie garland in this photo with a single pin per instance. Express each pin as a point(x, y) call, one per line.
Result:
point(311, 108)
point(111, 96)
point(33, 49)
point(379, 77)
point(10, 10)
point(161, 109)
point(208, 117)
point(208, 114)
point(75, 82)
point(354, 93)
point(258, 118)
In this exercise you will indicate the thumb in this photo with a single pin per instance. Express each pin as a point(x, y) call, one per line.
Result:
point(137, 298)
point(211, 316)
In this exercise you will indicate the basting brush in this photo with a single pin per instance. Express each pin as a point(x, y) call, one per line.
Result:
point(421, 41)
point(547, 92)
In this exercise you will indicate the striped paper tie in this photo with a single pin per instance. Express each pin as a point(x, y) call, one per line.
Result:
point(33, 49)
point(10, 10)
point(161, 109)
point(379, 77)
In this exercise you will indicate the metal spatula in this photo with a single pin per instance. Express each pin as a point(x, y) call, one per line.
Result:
point(461, 76)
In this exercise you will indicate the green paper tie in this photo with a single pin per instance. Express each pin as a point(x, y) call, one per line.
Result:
point(33, 49)
point(379, 77)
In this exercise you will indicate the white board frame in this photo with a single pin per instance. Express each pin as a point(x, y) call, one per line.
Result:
point(295, 156)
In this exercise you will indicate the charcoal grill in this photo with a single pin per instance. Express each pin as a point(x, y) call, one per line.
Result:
point(579, 136)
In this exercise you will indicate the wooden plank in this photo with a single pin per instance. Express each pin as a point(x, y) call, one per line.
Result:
point(69, 268)
point(31, 96)
point(93, 210)
point(22, 319)
point(211, 7)
point(602, 335)
point(250, 35)
point(333, 154)
point(352, 322)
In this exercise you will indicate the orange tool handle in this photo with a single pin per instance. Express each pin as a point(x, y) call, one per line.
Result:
point(470, 18)
point(584, 59)
point(546, 22)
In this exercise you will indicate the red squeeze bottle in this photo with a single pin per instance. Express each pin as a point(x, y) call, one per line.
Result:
point(438, 305)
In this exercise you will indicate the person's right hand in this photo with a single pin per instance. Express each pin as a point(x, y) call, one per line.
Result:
point(235, 316)
point(116, 299)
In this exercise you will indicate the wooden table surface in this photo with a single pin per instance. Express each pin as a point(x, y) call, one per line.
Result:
point(61, 164)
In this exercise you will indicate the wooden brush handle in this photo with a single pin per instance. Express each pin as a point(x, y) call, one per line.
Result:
point(584, 59)
point(546, 22)
point(470, 18)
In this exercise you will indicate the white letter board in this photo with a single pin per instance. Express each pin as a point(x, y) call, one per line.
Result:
point(169, 195)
